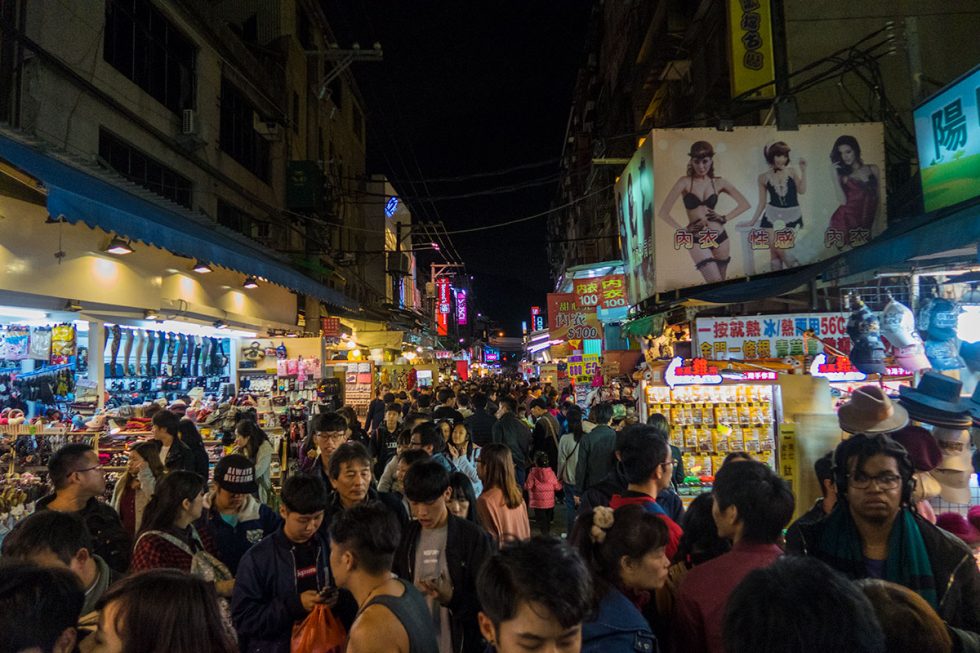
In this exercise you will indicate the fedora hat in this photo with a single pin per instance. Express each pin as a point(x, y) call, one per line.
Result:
point(939, 418)
point(870, 410)
point(935, 391)
point(923, 450)
point(973, 403)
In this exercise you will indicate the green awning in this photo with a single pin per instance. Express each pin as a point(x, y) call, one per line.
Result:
point(644, 326)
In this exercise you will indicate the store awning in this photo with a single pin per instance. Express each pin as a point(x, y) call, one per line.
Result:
point(644, 326)
point(85, 193)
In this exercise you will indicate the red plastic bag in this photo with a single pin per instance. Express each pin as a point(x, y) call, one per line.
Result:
point(320, 632)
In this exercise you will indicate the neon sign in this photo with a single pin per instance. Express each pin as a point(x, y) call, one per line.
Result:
point(697, 373)
point(840, 370)
point(443, 306)
point(461, 314)
point(391, 207)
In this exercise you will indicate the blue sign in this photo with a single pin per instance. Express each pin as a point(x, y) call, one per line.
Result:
point(947, 130)
point(391, 207)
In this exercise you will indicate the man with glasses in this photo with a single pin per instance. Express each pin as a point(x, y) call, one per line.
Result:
point(329, 431)
point(77, 478)
point(875, 533)
point(648, 465)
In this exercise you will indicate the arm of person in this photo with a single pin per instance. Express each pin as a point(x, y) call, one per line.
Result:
point(838, 183)
point(801, 179)
point(466, 466)
point(487, 519)
point(668, 204)
point(376, 631)
point(254, 609)
point(742, 204)
point(148, 482)
point(263, 460)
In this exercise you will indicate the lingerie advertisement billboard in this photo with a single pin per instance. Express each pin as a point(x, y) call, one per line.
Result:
point(702, 206)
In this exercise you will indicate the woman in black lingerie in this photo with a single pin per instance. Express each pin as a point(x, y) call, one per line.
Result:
point(779, 191)
point(700, 191)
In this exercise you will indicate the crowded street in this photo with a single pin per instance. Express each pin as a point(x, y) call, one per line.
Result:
point(592, 326)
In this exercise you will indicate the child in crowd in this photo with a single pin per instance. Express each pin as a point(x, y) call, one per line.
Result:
point(541, 485)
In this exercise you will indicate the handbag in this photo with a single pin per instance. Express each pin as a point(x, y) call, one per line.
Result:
point(320, 632)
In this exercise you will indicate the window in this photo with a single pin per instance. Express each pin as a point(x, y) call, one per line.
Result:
point(143, 170)
point(234, 218)
point(238, 136)
point(144, 46)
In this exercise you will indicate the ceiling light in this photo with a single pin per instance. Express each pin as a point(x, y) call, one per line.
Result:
point(22, 313)
point(201, 267)
point(250, 283)
point(119, 247)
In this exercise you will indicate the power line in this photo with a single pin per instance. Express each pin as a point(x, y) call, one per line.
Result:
point(481, 175)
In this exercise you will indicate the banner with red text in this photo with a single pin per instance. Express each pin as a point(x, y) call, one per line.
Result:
point(569, 320)
point(769, 336)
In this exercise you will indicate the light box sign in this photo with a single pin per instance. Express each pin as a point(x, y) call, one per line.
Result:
point(750, 40)
point(444, 306)
point(699, 372)
point(769, 336)
point(842, 370)
point(567, 320)
point(727, 205)
point(462, 314)
point(604, 292)
point(947, 133)
point(491, 355)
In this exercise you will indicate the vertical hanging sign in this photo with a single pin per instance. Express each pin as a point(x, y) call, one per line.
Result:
point(444, 306)
point(461, 311)
point(750, 47)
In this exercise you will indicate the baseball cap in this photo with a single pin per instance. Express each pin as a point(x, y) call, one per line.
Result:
point(236, 473)
point(898, 324)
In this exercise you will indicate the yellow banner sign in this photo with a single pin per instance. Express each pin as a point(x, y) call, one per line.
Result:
point(750, 39)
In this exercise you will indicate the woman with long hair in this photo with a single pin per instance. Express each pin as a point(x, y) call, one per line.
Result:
point(135, 487)
point(857, 187)
point(625, 550)
point(501, 506)
point(253, 443)
point(161, 610)
point(190, 436)
point(169, 538)
point(568, 448)
point(700, 190)
point(462, 500)
point(780, 188)
point(463, 454)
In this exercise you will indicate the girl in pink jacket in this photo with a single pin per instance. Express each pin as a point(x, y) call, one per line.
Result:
point(541, 485)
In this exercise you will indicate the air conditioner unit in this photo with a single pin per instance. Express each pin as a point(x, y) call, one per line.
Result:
point(188, 122)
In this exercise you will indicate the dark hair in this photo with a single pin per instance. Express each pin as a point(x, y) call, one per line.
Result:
point(168, 610)
point(328, 423)
point(498, 471)
point(463, 399)
point(388, 398)
point(371, 531)
point(188, 433)
point(799, 604)
point(168, 421)
point(404, 437)
point(541, 459)
point(699, 149)
point(633, 430)
point(414, 419)
point(542, 571)
point(601, 413)
point(507, 402)
point(393, 408)
point(256, 436)
point(64, 461)
point(171, 490)
point(763, 499)
point(660, 422)
point(304, 494)
point(862, 447)
point(634, 533)
point(736, 456)
point(771, 151)
point(479, 401)
point(63, 534)
point(907, 620)
point(37, 605)
point(540, 402)
point(149, 450)
point(463, 489)
point(348, 452)
point(445, 395)
point(424, 401)
point(573, 417)
point(425, 481)
point(824, 469)
point(430, 435)
point(353, 422)
point(641, 453)
point(700, 541)
point(835, 157)
point(412, 456)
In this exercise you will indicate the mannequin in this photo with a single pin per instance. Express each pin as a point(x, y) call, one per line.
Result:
point(127, 347)
point(150, 342)
point(161, 347)
point(116, 342)
point(181, 346)
point(171, 348)
point(138, 359)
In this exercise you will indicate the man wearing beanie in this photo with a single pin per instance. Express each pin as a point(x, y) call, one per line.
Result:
point(236, 518)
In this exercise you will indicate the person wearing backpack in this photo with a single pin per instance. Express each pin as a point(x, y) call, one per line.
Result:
point(568, 448)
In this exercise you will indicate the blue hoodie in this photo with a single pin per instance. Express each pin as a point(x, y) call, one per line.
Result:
point(617, 627)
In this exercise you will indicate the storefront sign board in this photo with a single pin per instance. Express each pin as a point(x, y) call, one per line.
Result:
point(568, 320)
point(769, 336)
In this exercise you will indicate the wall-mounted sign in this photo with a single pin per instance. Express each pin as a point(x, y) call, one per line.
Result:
point(769, 336)
point(602, 292)
point(947, 132)
point(697, 373)
point(462, 313)
point(444, 306)
point(581, 369)
point(443, 354)
point(750, 40)
point(391, 206)
point(330, 327)
point(568, 320)
point(491, 355)
point(842, 370)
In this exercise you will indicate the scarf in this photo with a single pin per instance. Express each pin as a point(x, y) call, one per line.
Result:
point(908, 561)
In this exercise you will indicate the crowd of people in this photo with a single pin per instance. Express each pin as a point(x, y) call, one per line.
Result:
point(412, 532)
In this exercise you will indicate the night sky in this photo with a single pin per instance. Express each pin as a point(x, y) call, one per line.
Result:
point(465, 88)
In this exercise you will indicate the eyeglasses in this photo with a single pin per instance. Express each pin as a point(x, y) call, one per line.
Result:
point(669, 462)
point(87, 469)
point(332, 435)
point(884, 481)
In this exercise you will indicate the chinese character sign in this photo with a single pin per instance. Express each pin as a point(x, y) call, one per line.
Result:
point(750, 40)
point(444, 306)
point(330, 327)
point(602, 292)
point(947, 131)
point(462, 314)
point(770, 336)
point(748, 202)
point(568, 320)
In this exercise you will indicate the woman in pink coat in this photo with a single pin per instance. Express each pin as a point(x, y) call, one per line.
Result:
point(541, 485)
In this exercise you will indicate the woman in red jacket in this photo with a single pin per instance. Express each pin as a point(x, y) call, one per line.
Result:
point(541, 485)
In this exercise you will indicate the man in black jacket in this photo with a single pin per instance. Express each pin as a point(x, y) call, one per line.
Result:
point(481, 422)
point(512, 431)
point(442, 555)
point(874, 533)
point(77, 477)
point(174, 454)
